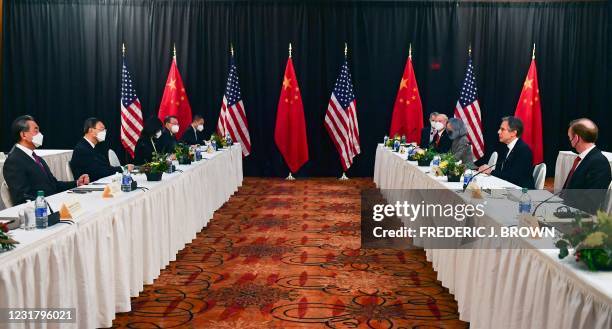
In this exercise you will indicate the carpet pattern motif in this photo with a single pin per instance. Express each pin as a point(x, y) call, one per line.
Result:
point(287, 255)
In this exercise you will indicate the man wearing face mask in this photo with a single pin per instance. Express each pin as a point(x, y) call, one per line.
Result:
point(24, 171)
point(194, 134)
point(590, 170)
point(148, 142)
point(167, 140)
point(428, 133)
point(460, 147)
point(85, 159)
point(514, 163)
point(441, 143)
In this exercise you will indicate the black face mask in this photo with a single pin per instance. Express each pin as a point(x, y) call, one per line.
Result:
point(451, 134)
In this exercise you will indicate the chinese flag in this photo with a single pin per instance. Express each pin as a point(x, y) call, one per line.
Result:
point(529, 110)
point(290, 130)
point(175, 102)
point(407, 112)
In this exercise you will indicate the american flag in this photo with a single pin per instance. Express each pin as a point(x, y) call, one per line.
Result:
point(341, 118)
point(131, 112)
point(232, 118)
point(468, 110)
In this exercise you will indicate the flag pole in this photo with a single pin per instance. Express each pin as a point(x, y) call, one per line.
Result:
point(533, 52)
point(123, 49)
point(290, 177)
point(470, 50)
point(410, 51)
point(345, 50)
point(232, 49)
point(174, 52)
point(344, 177)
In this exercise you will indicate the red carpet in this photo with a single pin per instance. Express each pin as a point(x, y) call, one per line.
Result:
point(286, 255)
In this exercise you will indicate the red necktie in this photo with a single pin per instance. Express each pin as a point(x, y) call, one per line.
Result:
point(571, 173)
point(38, 162)
point(437, 139)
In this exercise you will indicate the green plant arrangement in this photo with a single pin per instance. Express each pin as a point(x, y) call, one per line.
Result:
point(451, 167)
point(591, 241)
point(6, 240)
point(181, 151)
point(424, 156)
point(221, 142)
point(156, 168)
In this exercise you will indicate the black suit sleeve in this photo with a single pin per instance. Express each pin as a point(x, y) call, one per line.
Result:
point(16, 178)
point(85, 160)
point(425, 137)
point(188, 137)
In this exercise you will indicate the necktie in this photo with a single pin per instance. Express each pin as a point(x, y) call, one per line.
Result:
point(571, 173)
point(437, 139)
point(39, 162)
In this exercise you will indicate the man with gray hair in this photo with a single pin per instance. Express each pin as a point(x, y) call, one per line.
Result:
point(25, 172)
point(441, 143)
point(428, 133)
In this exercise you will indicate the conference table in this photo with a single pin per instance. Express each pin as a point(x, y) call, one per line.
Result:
point(55, 159)
point(523, 286)
point(116, 245)
point(564, 163)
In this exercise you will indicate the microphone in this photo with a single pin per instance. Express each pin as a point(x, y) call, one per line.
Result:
point(543, 202)
point(474, 176)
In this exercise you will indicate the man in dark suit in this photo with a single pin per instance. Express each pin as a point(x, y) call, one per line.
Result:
point(428, 133)
point(85, 158)
point(167, 140)
point(514, 163)
point(24, 171)
point(194, 134)
point(441, 143)
point(590, 170)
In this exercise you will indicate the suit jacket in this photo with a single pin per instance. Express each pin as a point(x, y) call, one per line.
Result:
point(517, 168)
point(462, 150)
point(444, 145)
point(425, 133)
point(192, 136)
point(593, 173)
point(86, 160)
point(167, 142)
point(24, 177)
point(144, 149)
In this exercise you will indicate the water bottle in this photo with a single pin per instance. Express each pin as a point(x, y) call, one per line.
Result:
point(126, 181)
point(385, 140)
point(228, 140)
point(214, 144)
point(525, 203)
point(403, 139)
point(198, 154)
point(436, 161)
point(396, 145)
point(40, 211)
point(467, 177)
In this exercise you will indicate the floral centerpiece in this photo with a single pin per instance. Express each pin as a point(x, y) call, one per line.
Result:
point(450, 167)
point(183, 154)
point(591, 241)
point(391, 141)
point(424, 156)
point(156, 168)
point(221, 142)
point(6, 241)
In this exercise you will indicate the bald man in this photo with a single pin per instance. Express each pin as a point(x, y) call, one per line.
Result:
point(590, 170)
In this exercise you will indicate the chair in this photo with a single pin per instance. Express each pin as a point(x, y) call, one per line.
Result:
point(492, 159)
point(113, 159)
point(539, 176)
point(69, 173)
point(6, 195)
point(2, 156)
point(608, 207)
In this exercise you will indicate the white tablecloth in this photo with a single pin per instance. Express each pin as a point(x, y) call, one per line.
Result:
point(55, 159)
point(117, 245)
point(565, 160)
point(507, 288)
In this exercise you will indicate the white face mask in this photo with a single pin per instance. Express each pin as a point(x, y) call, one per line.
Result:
point(101, 135)
point(175, 129)
point(158, 134)
point(37, 139)
point(200, 127)
point(439, 126)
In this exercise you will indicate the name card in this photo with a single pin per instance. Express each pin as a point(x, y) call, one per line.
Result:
point(70, 210)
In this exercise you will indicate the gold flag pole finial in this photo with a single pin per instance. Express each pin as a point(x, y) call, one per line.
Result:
point(232, 49)
point(533, 52)
point(345, 50)
point(123, 48)
point(470, 50)
point(174, 51)
point(410, 51)
point(289, 49)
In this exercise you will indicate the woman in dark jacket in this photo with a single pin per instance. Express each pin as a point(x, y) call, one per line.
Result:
point(460, 147)
point(148, 141)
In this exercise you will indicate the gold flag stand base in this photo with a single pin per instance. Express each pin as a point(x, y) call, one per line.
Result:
point(344, 177)
point(290, 177)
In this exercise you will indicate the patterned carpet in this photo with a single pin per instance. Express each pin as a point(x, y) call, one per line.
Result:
point(287, 255)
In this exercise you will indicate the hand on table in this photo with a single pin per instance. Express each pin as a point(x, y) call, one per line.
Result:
point(83, 180)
